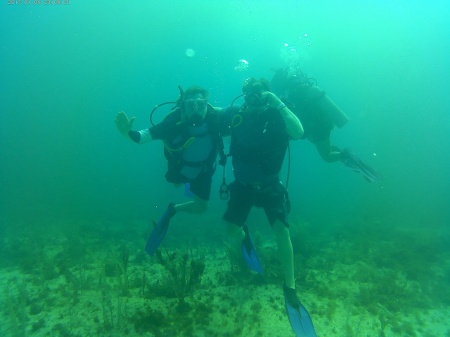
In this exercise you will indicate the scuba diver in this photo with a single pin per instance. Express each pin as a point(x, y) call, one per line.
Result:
point(318, 114)
point(260, 133)
point(191, 145)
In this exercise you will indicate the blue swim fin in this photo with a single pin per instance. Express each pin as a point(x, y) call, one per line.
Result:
point(160, 230)
point(298, 316)
point(249, 252)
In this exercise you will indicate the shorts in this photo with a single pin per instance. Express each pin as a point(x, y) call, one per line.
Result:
point(200, 186)
point(271, 197)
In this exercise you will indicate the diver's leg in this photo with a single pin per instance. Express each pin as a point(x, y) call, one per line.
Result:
point(239, 206)
point(328, 152)
point(196, 206)
point(200, 189)
point(238, 209)
point(234, 234)
point(275, 206)
point(285, 252)
point(298, 316)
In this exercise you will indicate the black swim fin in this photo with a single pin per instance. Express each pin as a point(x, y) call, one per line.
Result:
point(160, 230)
point(352, 161)
point(298, 316)
point(249, 252)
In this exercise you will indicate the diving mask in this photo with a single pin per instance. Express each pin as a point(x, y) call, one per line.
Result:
point(255, 100)
point(195, 110)
point(195, 105)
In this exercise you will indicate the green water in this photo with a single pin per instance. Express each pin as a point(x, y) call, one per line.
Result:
point(372, 259)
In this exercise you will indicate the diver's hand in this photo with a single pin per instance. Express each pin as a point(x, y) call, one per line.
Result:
point(272, 100)
point(124, 124)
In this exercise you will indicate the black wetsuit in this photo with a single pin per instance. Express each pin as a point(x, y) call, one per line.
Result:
point(258, 147)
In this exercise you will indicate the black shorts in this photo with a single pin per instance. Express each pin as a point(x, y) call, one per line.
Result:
point(271, 197)
point(200, 186)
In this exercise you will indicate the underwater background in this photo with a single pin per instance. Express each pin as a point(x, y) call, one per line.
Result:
point(77, 199)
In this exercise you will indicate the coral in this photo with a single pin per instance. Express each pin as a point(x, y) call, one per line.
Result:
point(185, 272)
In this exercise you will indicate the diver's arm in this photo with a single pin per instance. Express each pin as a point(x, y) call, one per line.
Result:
point(140, 137)
point(294, 127)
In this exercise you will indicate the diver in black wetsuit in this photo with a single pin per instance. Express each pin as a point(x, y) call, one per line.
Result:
point(260, 133)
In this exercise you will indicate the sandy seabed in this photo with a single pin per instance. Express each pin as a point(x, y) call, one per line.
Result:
point(83, 280)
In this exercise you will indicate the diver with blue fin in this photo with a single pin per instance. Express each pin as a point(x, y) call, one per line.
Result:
point(260, 132)
point(192, 143)
point(319, 115)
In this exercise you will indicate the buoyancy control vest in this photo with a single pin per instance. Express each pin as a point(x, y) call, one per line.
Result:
point(178, 144)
